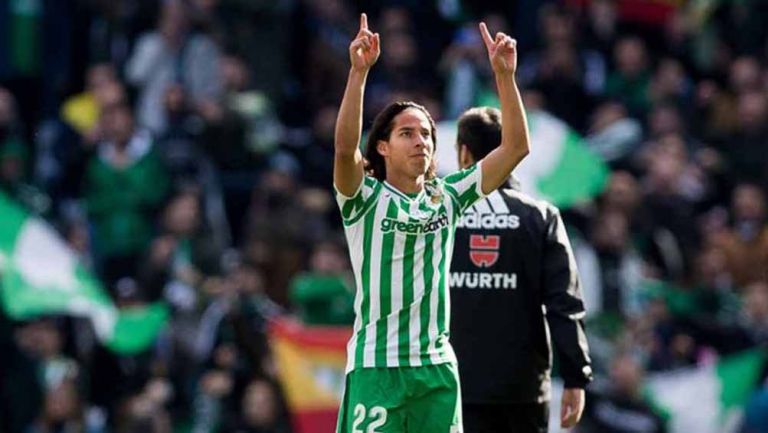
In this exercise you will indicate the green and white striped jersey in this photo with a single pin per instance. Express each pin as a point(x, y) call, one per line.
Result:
point(401, 248)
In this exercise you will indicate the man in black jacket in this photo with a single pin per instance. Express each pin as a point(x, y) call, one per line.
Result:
point(514, 289)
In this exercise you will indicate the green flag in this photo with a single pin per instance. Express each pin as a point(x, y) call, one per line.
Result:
point(560, 168)
point(708, 399)
point(40, 274)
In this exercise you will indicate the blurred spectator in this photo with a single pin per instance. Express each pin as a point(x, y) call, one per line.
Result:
point(601, 26)
point(612, 134)
point(325, 295)
point(320, 149)
point(613, 264)
point(173, 54)
point(756, 310)
point(145, 410)
point(466, 69)
point(62, 411)
point(672, 188)
point(567, 75)
point(260, 411)
point(630, 82)
point(330, 22)
point(618, 405)
point(745, 243)
point(15, 157)
point(124, 185)
point(744, 151)
point(184, 253)
point(81, 111)
point(670, 84)
point(745, 75)
point(248, 129)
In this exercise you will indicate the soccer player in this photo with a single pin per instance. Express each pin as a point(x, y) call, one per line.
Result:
point(515, 288)
point(399, 222)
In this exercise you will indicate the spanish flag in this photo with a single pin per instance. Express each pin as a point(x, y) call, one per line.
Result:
point(311, 361)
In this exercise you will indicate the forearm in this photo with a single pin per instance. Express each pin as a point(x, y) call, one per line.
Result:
point(514, 124)
point(514, 135)
point(572, 350)
point(350, 119)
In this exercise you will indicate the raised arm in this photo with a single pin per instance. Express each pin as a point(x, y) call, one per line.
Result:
point(348, 160)
point(497, 165)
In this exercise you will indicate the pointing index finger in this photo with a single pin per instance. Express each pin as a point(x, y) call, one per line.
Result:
point(486, 36)
point(363, 21)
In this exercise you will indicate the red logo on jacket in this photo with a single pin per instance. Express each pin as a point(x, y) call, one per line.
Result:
point(484, 250)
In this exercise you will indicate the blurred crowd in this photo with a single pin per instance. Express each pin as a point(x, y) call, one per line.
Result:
point(184, 148)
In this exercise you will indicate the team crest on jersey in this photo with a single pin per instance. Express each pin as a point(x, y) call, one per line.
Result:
point(484, 250)
point(434, 193)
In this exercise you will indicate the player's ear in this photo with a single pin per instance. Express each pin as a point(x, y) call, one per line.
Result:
point(465, 157)
point(382, 147)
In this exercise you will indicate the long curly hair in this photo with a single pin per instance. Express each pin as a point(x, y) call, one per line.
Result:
point(382, 128)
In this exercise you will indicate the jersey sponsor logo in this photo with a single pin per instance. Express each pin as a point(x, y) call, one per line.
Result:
point(483, 280)
point(488, 221)
point(484, 250)
point(392, 224)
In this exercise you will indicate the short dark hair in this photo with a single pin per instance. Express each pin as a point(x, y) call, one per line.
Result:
point(381, 130)
point(480, 130)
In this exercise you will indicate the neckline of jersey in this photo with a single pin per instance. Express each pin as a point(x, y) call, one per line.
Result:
point(402, 194)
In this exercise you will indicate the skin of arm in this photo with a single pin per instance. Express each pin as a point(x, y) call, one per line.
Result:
point(348, 160)
point(499, 163)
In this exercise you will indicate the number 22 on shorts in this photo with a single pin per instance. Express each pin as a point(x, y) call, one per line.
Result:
point(377, 415)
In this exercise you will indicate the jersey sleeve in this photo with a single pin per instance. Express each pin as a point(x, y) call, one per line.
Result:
point(355, 207)
point(465, 187)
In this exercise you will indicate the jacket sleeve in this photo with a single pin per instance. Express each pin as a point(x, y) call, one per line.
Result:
point(564, 304)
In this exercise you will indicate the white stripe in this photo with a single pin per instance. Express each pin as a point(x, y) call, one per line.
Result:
point(355, 235)
point(433, 298)
point(414, 323)
point(482, 206)
point(448, 203)
point(393, 325)
point(497, 202)
point(369, 351)
point(447, 305)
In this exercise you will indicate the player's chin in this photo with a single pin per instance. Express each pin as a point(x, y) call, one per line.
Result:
point(419, 167)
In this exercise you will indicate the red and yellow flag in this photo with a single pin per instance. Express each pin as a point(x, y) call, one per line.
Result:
point(311, 361)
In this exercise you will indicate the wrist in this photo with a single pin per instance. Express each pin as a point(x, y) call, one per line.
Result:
point(357, 71)
point(504, 75)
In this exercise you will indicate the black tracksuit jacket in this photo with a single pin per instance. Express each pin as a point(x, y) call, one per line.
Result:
point(515, 291)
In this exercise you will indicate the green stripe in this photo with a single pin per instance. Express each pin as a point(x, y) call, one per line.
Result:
point(365, 305)
point(460, 175)
point(369, 203)
point(12, 218)
point(353, 204)
point(385, 288)
point(442, 287)
point(403, 339)
point(428, 274)
point(467, 198)
point(455, 197)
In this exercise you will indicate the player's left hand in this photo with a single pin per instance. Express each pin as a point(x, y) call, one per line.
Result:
point(571, 407)
point(502, 51)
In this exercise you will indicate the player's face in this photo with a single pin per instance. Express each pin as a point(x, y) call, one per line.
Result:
point(411, 146)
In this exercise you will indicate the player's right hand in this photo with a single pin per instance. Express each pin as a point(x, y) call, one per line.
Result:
point(364, 49)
